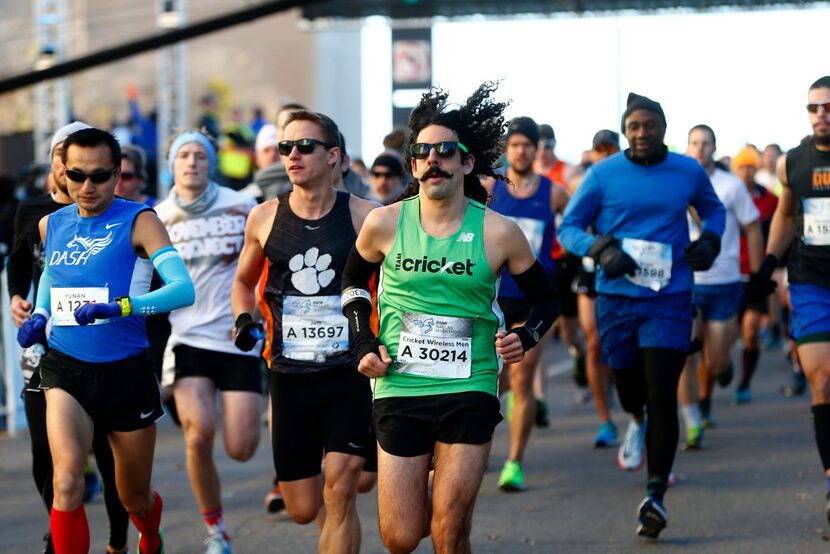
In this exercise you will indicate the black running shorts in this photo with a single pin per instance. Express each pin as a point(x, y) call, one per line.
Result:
point(315, 413)
point(409, 426)
point(123, 395)
point(230, 372)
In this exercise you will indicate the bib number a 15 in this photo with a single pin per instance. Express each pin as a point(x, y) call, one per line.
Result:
point(816, 214)
point(65, 300)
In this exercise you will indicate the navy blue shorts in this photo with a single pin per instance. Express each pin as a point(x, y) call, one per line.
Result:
point(718, 302)
point(810, 318)
point(627, 325)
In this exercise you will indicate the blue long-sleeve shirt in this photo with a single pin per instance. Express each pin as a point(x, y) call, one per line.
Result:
point(628, 200)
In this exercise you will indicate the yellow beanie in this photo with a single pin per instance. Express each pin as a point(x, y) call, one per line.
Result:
point(747, 156)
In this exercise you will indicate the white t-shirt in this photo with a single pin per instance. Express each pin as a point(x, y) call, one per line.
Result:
point(740, 210)
point(209, 243)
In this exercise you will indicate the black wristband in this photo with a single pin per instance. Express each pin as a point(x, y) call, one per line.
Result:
point(525, 337)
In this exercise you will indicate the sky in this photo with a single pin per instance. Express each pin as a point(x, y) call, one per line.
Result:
point(744, 73)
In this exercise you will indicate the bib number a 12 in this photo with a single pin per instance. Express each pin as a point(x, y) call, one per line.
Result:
point(65, 300)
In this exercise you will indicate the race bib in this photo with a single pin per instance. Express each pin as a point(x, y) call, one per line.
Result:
point(435, 346)
point(65, 300)
point(654, 260)
point(816, 213)
point(533, 230)
point(313, 328)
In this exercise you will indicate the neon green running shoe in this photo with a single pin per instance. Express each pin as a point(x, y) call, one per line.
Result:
point(512, 479)
point(161, 536)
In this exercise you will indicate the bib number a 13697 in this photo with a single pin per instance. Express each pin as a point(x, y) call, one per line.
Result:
point(313, 329)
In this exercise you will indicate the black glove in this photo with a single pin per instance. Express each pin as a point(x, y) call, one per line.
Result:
point(248, 332)
point(614, 262)
point(701, 253)
point(760, 283)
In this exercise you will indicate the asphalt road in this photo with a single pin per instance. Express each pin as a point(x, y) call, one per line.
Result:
point(756, 487)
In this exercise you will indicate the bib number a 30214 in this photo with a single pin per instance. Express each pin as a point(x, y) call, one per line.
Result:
point(65, 300)
point(435, 346)
point(313, 328)
point(654, 261)
point(816, 213)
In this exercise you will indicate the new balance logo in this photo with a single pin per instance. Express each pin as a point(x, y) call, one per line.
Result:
point(466, 237)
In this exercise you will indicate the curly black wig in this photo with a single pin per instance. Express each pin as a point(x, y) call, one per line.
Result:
point(479, 124)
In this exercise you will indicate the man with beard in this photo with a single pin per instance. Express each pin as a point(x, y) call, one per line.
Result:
point(802, 220)
point(530, 201)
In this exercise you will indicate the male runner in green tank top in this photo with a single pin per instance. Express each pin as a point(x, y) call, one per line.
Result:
point(442, 338)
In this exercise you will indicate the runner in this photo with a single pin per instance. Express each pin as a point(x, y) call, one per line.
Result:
point(636, 203)
point(801, 221)
point(530, 201)
point(440, 253)
point(744, 165)
point(206, 223)
point(718, 291)
point(96, 374)
point(606, 143)
point(25, 266)
point(321, 405)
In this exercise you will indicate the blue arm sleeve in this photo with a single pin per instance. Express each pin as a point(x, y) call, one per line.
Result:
point(177, 291)
point(43, 302)
point(579, 215)
point(709, 207)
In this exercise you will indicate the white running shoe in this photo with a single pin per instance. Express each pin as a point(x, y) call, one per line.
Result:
point(216, 544)
point(631, 455)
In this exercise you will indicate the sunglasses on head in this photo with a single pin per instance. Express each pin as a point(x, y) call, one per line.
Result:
point(304, 146)
point(446, 149)
point(813, 108)
point(96, 177)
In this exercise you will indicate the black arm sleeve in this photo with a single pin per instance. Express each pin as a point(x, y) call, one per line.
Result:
point(357, 302)
point(545, 304)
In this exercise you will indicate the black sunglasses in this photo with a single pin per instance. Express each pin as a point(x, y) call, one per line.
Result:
point(126, 175)
point(420, 150)
point(383, 174)
point(304, 146)
point(813, 108)
point(96, 177)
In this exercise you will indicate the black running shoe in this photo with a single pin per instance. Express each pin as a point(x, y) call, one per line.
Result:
point(653, 518)
point(48, 548)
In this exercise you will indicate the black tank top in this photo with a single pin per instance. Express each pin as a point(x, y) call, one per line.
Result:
point(808, 175)
point(305, 266)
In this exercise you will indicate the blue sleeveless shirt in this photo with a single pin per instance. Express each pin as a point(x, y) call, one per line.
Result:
point(92, 258)
point(534, 217)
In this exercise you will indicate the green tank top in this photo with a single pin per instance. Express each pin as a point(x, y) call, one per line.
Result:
point(438, 309)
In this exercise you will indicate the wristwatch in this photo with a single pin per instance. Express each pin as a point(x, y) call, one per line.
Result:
point(126, 305)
